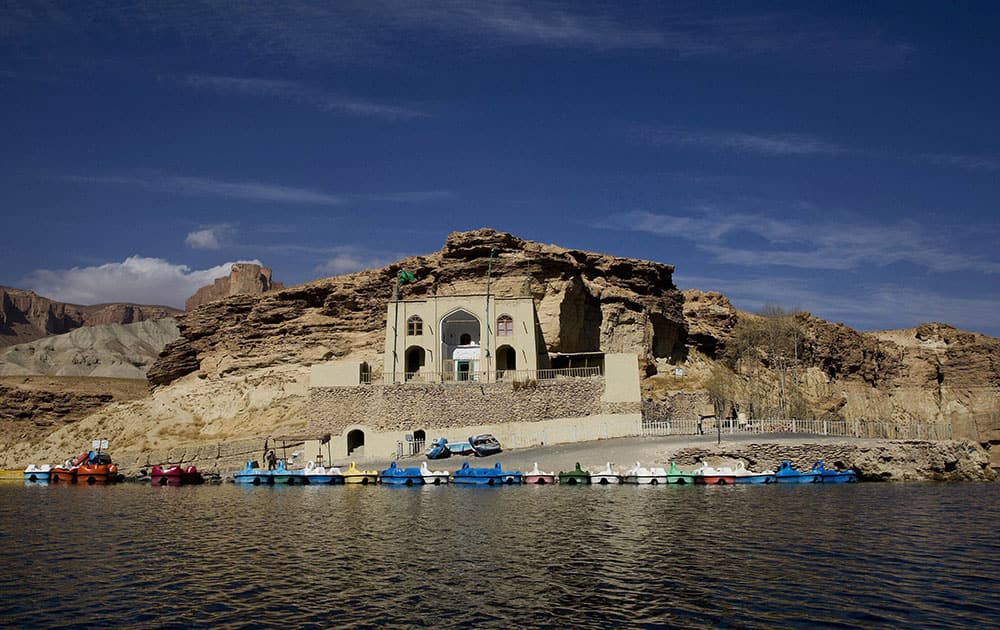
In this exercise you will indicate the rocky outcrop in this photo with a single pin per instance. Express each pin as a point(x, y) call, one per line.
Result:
point(113, 350)
point(585, 302)
point(26, 316)
point(243, 279)
point(873, 461)
point(710, 319)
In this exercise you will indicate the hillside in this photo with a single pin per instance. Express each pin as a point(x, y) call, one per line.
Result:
point(240, 366)
point(26, 316)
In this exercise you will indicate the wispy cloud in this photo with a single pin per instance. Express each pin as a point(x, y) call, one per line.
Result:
point(297, 92)
point(209, 237)
point(822, 243)
point(866, 307)
point(732, 141)
point(348, 259)
point(253, 191)
point(137, 279)
point(969, 162)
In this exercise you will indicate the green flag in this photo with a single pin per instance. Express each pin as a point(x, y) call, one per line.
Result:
point(404, 277)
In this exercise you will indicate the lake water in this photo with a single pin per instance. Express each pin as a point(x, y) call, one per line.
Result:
point(866, 555)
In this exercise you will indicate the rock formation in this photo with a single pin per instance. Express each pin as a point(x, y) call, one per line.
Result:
point(243, 279)
point(585, 302)
point(112, 350)
point(26, 316)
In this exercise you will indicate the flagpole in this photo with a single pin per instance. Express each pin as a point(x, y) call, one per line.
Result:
point(395, 325)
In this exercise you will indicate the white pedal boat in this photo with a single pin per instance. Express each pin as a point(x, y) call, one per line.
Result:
point(646, 476)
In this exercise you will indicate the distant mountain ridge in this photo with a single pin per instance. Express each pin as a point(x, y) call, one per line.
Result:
point(26, 316)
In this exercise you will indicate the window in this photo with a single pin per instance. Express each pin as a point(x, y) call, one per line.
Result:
point(505, 326)
point(414, 326)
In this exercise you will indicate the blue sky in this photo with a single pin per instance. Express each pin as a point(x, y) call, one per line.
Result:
point(836, 157)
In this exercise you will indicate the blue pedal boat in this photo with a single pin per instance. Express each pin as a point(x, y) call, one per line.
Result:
point(286, 476)
point(495, 476)
point(834, 476)
point(438, 449)
point(787, 474)
point(254, 476)
point(401, 476)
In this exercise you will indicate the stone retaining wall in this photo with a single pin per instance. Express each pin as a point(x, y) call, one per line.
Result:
point(436, 406)
point(888, 460)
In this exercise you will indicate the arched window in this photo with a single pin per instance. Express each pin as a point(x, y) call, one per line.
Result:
point(414, 326)
point(505, 326)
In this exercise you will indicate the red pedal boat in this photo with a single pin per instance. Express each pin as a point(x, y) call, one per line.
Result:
point(175, 476)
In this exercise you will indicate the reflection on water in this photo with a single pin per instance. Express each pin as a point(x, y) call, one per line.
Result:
point(736, 556)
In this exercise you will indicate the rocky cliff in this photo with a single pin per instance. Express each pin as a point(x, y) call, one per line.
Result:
point(26, 316)
point(243, 279)
point(585, 302)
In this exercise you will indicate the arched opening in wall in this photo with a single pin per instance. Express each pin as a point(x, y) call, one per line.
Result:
point(419, 440)
point(461, 333)
point(355, 442)
point(415, 358)
point(506, 360)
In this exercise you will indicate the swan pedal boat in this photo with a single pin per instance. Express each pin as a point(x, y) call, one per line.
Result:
point(433, 477)
point(577, 476)
point(745, 476)
point(286, 476)
point(537, 477)
point(253, 475)
point(397, 476)
point(787, 474)
point(495, 476)
point(645, 476)
point(606, 477)
point(175, 476)
point(681, 477)
point(710, 476)
point(318, 475)
point(41, 474)
point(826, 476)
point(364, 477)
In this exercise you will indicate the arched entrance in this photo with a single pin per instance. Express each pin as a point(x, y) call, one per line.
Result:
point(506, 360)
point(419, 440)
point(461, 336)
point(415, 358)
point(355, 441)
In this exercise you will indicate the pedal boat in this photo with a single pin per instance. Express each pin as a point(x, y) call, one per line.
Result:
point(710, 476)
point(787, 474)
point(539, 478)
point(606, 477)
point(645, 476)
point(396, 476)
point(39, 474)
point(286, 476)
point(494, 476)
point(254, 476)
point(577, 476)
point(320, 476)
point(66, 473)
point(748, 476)
point(97, 468)
point(826, 476)
point(433, 477)
point(484, 445)
point(175, 476)
point(680, 477)
point(438, 449)
point(364, 477)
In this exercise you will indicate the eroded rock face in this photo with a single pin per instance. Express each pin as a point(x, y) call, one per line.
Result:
point(243, 279)
point(26, 316)
point(585, 302)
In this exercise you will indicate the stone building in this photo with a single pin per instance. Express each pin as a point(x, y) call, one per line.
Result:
point(459, 365)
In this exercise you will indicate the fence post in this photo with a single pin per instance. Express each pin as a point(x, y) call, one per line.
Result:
point(793, 426)
point(824, 428)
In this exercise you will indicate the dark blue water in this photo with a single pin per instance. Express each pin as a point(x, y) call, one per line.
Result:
point(868, 555)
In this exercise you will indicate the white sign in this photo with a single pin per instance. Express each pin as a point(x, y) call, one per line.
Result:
point(99, 444)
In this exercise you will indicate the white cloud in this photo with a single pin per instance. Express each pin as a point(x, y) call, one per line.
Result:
point(733, 141)
point(348, 259)
point(297, 92)
point(137, 279)
point(830, 243)
point(969, 162)
point(202, 239)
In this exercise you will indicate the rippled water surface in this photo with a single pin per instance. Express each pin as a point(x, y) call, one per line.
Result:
point(734, 556)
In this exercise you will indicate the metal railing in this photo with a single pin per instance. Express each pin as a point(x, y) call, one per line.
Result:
point(837, 428)
point(497, 376)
